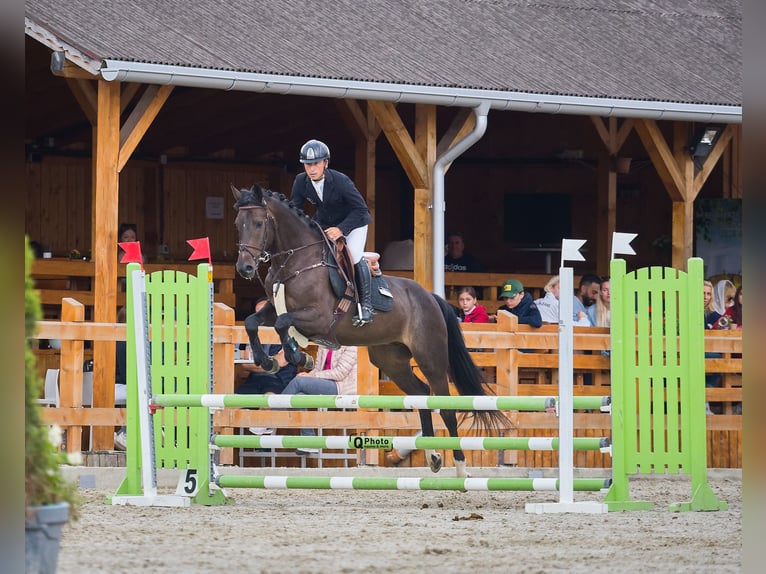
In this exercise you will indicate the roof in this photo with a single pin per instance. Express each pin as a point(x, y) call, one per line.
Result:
point(683, 54)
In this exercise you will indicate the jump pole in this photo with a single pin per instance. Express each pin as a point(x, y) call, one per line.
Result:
point(569, 251)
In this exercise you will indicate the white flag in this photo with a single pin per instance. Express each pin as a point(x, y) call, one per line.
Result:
point(570, 250)
point(621, 243)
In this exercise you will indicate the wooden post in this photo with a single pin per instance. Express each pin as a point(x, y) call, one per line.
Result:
point(106, 186)
point(70, 376)
point(223, 371)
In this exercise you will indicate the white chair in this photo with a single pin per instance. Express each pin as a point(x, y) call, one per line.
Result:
point(51, 398)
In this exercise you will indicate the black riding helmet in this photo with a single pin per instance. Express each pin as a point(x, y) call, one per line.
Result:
point(314, 151)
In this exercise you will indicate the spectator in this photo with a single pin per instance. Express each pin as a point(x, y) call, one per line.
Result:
point(121, 381)
point(259, 382)
point(548, 305)
point(723, 296)
point(734, 312)
point(334, 373)
point(470, 312)
point(456, 258)
point(586, 296)
point(520, 303)
point(711, 315)
point(600, 313)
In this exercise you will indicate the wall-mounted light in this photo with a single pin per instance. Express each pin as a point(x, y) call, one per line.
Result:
point(703, 141)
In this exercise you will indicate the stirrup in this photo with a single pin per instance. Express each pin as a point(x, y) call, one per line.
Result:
point(360, 318)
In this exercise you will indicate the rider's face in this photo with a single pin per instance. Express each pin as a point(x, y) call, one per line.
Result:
point(315, 170)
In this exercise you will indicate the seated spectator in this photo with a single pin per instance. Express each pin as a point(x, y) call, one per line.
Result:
point(586, 296)
point(334, 373)
point(600, 314)
point(548, 305)
point(520, 303)
point(711, 315)
point(456, 259)
point(470, 312)
point(734, 313)
point(723, 296)
point(259, 382)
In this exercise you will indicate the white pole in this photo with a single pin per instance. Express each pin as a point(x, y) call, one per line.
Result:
point(140, 320)
point(566, 400)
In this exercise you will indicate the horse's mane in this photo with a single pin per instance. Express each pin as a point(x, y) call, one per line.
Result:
point(248, 197)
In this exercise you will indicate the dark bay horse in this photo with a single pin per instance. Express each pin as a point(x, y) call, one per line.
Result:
point(420, 325)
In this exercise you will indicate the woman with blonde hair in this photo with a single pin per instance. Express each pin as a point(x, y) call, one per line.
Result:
point(602, 314)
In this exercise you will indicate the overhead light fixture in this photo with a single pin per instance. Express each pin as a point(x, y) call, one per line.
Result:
point(704, 140)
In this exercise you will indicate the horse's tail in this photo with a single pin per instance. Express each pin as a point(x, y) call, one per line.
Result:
point(466, 375)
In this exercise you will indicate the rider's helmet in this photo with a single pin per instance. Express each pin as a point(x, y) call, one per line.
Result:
point(314, 151)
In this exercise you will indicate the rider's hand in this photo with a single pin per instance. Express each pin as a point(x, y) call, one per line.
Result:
point(334, 233)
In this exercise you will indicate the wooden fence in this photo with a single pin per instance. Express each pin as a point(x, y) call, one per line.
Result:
point(517, 360)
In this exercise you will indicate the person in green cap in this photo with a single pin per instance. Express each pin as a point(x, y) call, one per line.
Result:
point(520, 303)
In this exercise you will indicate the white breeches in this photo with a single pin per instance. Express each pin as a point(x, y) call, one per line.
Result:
point(356, 240)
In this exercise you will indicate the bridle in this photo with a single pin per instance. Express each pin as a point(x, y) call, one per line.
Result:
point(266, 257)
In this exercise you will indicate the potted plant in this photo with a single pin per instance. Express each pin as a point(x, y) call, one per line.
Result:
point(51, 500)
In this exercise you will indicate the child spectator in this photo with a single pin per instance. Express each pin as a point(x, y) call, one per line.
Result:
point(520, 303)
point(470, 312)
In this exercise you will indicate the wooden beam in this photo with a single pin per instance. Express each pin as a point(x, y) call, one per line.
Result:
point(461, 126)
point(712, 159)
point(140, 119)
point(365, 130)
point(401, 142)
point(84, 92)
point(613, 137)
point(63, 68)
point(682, 234)
point(106, 195)
point(425, 142)
point(661, 157)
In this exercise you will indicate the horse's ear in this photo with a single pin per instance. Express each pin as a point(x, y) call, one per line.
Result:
point(257, 192)
point(235, 191)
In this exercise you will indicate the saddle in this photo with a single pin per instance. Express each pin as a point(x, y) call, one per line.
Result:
point(344, 284)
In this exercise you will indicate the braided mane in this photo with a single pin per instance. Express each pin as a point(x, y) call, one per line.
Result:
point(249, 197)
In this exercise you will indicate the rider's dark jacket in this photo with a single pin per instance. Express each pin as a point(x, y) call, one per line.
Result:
point(342, 207)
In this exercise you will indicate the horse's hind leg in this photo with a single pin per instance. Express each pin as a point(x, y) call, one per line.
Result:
point(394, 361)
point(437, 377)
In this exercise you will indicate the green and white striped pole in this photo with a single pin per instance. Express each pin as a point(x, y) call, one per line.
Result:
point(406, 442)
point(390, 483)
point(461, 403)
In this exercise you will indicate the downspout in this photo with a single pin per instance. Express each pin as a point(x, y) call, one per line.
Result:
point(439, 205)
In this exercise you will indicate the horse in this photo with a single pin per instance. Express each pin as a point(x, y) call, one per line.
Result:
point(419, 324)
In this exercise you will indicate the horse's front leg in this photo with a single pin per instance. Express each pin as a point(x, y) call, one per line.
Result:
point(265, 316)
point(293, 353)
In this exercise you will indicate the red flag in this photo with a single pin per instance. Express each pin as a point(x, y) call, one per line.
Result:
point(132, 251)
point(201, 249)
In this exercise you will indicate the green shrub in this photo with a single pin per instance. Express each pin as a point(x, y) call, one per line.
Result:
point(45, 483)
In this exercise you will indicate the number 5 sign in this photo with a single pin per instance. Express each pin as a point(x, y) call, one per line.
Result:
point(188, 485)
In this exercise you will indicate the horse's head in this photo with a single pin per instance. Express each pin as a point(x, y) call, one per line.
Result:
point(252, 224)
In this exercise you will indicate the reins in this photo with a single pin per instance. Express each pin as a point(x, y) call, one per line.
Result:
point(266, 257)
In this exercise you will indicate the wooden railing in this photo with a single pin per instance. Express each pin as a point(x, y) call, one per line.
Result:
point(59, 278)
point(517, 359)
point(489, 283)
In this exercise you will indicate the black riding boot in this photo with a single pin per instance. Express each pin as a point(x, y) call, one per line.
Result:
point(364, 295)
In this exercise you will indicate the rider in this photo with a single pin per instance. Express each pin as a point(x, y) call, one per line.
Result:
point(340, 210)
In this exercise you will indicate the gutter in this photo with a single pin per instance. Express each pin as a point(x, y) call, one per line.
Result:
point(140, 72)
point(439, 205)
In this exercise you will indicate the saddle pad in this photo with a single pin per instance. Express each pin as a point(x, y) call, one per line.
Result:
point(382, 299)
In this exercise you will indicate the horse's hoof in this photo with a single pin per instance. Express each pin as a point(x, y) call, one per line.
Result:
point(460, 469)
point(308, 363)
point(273, 369)
point(436, 462)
